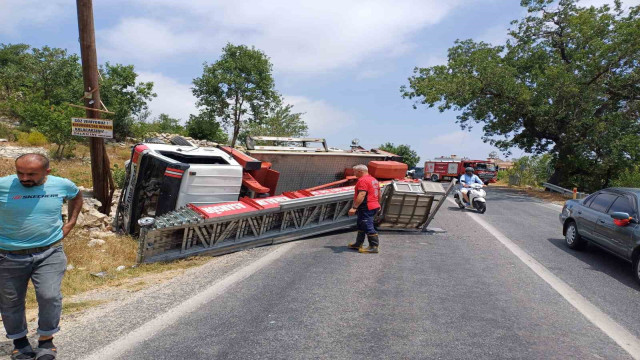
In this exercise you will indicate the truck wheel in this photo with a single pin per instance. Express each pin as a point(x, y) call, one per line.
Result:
point(572, 238)
point(434, 178)
point(179, 140)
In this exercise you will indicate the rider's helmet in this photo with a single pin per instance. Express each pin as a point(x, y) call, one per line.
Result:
point(469, 170)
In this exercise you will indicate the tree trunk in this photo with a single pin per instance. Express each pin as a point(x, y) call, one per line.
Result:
point(236, 132)
point(561, 168)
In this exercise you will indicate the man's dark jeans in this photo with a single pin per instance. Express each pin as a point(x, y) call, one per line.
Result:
point(365, 220)
point(45, 269)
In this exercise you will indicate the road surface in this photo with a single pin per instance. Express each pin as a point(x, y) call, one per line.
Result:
point(462, 294)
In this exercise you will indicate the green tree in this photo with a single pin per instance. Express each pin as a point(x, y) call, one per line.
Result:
point(56, 75)
point(52, 120)
point(409, 157)
point(166, 124)
point(280, 121)
point(566, 83)
point(124, 95)
point(204, 127)
point(14, 62)
point(236, 88)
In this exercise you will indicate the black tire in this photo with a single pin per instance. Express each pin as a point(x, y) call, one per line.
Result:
point(434, 178)
point(179, 140)
point(572, 238)
point(482, 208)
point(636, 268)
point(153, 141)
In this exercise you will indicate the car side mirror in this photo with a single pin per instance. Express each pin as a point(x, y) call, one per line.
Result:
point(621, 218)
point(620, 215)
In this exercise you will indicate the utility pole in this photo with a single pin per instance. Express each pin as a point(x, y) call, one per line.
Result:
point(100, 168)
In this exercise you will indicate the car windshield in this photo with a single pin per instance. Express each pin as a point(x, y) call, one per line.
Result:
point(486, 167)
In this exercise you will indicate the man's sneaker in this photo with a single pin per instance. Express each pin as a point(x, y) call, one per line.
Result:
point(355, 246)
point(369, 250)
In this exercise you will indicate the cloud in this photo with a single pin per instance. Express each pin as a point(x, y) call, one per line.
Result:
point(174, 98)
point(322, 118)
point(495, 35)
point(145, 40)
point(304, 37)
point(17, 13)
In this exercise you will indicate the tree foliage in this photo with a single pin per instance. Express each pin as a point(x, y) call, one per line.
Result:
point(237, 88)
point(204, 126)
point(124, 95)
point(33, 80)
point(409, 157)
point(280, 120)
point(567, 83)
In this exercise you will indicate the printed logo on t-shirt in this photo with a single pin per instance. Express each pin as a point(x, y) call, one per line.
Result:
point(22, 197)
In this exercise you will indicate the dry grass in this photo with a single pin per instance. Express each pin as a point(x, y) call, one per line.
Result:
point(77, 169)
point(117, 251)
point(539, 193)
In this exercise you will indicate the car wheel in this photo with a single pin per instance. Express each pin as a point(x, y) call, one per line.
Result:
point(572, 238)
point(434, 178)
point(636, 268)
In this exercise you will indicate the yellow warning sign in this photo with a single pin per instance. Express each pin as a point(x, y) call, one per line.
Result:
point(92, 127)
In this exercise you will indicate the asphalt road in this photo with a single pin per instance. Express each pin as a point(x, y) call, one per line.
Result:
point(457, 295)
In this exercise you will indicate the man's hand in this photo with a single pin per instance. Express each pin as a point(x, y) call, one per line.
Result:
point(352, 211)
point(66, 229)
point(465, 185)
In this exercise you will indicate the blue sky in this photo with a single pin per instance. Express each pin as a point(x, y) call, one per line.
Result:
point(340, 62)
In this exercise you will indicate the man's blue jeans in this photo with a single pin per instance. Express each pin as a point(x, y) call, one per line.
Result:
point(45, 269)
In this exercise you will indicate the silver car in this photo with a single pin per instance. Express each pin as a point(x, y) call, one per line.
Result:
point(608, 219)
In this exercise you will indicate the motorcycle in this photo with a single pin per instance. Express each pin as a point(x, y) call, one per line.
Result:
point(476, 197)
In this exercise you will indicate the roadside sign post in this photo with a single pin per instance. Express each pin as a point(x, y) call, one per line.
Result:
point(98, 128)
point(103, 185)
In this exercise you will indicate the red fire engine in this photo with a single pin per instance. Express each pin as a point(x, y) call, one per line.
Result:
point(445, 170)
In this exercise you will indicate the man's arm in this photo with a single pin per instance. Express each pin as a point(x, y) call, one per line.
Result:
point(359, 199)
point(74, 205)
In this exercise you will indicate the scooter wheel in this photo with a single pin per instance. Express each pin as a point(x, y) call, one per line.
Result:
point(482, 208)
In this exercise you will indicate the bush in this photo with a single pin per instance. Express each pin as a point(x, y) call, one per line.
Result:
point(532, 170)
point(34, 138)
point(503, 175)
point(63, 152)
point(629, 178)
point(119, 175)
point(6, 132)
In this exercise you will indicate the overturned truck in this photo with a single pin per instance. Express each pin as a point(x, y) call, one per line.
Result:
point(183, 200)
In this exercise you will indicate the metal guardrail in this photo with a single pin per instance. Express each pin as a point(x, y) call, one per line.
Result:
point(565, 192)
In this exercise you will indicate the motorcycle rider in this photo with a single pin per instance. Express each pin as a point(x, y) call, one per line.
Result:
point(466, 180)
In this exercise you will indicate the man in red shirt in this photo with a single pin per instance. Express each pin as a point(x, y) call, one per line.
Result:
point(366, 205)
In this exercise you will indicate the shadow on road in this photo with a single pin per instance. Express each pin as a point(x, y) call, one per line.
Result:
point(601, 261)
point(339, 249)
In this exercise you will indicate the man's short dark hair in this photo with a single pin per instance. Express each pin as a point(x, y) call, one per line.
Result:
point(38, 157)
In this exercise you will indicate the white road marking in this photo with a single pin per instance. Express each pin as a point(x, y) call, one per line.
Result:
point(629, 342)
point(162, 321)
point(550, 206)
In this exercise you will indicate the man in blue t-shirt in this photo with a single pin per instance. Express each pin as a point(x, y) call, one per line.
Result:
point(466, 180)
point(31, 231)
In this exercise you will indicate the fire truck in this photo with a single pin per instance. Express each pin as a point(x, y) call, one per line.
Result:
point(439, 170)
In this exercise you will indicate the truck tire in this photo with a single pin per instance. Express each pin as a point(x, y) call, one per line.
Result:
point(434, 178)
point(179, 140)
point(153, 140)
